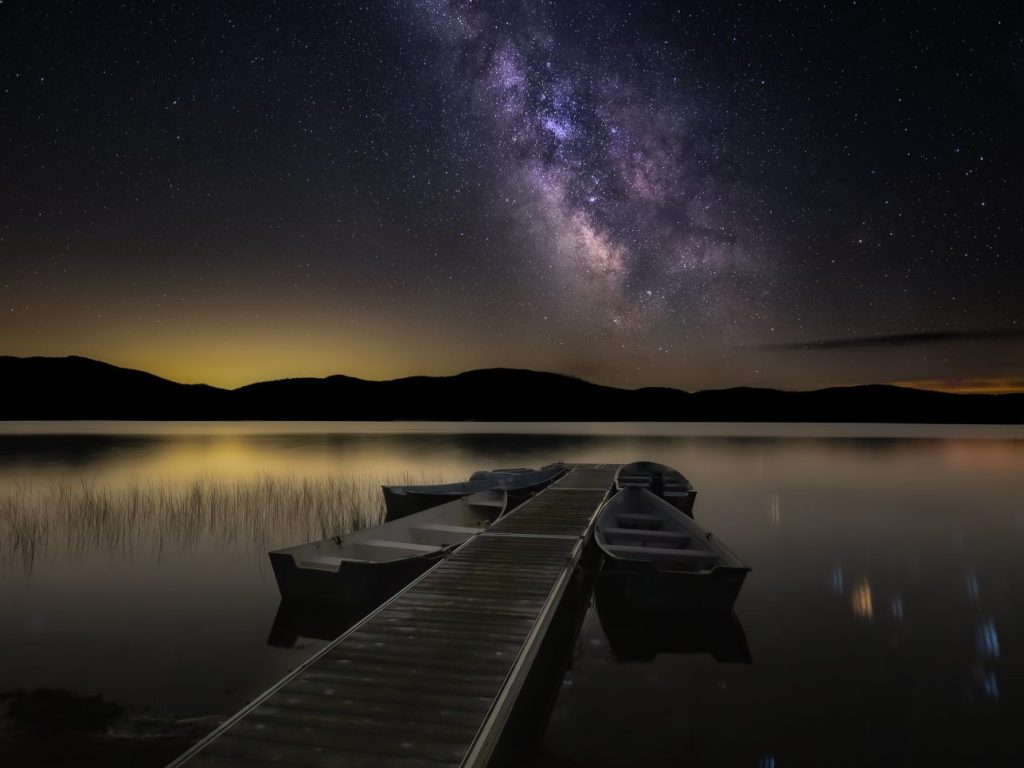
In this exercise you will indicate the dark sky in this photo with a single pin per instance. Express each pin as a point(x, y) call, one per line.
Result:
point(687, 194)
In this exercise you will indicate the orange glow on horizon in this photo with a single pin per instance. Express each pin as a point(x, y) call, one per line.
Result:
point(1004, 385)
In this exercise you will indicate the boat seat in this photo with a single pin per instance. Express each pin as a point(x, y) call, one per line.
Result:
point(637, 519)
point(470, 529)
point(408, 546)
point(443, 535)
point(639, 534)
point(693, 557)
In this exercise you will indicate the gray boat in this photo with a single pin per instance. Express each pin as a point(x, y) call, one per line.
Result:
point(367, 566)
point(519, 483)
point(661, 480)
point(657, 558)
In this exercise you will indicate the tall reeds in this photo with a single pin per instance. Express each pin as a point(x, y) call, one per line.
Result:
point(75, 518)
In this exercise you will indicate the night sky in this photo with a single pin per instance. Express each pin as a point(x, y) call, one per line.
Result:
point(686, 194)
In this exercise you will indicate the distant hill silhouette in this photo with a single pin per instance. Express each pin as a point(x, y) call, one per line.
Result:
point(80, 388)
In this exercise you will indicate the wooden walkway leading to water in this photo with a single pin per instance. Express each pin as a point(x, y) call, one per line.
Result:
point(430, 678)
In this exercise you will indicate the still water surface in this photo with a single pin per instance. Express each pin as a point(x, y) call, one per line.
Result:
point(884, 616)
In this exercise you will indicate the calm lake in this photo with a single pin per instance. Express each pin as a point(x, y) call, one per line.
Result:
point(882, 624)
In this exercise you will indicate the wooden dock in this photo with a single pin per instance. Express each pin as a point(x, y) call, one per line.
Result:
point(429, 678)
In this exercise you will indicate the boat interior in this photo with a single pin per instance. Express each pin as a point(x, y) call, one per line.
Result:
point(637, 525)
point(428, 532)
point(642, 472)
point(511, 479)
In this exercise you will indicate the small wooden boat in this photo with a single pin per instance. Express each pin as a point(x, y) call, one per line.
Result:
point(367, 566)
point(519, 483)
point(661, 480)
point(658, 558)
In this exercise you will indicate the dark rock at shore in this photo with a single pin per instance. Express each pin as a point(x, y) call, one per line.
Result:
point(46, 728)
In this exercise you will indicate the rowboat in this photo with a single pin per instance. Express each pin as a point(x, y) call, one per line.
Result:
point(657, 558)
point(519, 483)
point(661, 480)
point(367, 566)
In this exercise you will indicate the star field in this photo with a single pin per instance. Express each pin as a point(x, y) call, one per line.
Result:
point(640, 193)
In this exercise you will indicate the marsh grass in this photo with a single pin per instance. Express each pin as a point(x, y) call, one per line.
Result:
point(72, 519)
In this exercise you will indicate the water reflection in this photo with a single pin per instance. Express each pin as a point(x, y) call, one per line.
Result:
point(990, 685)
point(73, 451)
point(173, 611)
point(837, 579)
point(860, 597)
point(896, 608)
point(295, 621)
point(635, 635)
point(774, 511)
point(972, 586)
point(987, 639)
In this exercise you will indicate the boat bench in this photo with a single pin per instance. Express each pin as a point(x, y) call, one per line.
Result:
point(442, 535)
point(692, 557)
point(641, 534)
point(470, 529)
point(407, 546)
point(636, 519)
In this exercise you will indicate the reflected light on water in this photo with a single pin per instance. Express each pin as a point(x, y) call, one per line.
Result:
point(896, 608)
point(972, 587)
point(987, 639)
point(860, 597)
point(982, 455)
point(774, 510)
point(990, 686)
point(837, 580)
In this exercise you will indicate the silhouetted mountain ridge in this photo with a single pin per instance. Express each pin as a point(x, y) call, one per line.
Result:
point(81, 388)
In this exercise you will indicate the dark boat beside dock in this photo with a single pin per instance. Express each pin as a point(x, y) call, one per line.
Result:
point(664, 482)
point(518, 483)
point(657, 558)
point(367, 566)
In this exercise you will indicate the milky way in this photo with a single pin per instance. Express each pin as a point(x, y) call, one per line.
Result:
point(611, 162)
point(633, 191)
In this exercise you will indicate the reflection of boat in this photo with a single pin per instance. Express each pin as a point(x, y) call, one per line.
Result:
point(641, 635)
point(660, 559)
point(371, 564)
point(316, 621)
point(662, 481)
point(402, 500)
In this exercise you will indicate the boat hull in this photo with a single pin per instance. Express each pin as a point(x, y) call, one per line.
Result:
point(404, 503)
point(403, 500)
point(354, 584)
point(648, 586)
